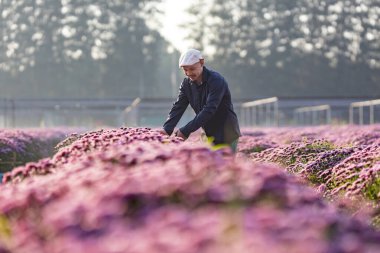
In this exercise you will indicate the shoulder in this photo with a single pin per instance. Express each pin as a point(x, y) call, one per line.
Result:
point(185, 82)
point(215, 78)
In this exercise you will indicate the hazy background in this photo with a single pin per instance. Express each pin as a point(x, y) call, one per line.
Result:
point(113, 51)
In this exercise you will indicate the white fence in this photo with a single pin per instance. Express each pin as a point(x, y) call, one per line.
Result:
point(95, 113)
point(361, 105)
point(313, 115)
point(260, 112)
point(130, 115)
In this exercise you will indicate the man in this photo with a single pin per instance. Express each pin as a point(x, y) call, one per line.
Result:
point(208, 94)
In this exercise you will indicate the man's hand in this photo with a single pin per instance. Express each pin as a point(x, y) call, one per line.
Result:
point(178, 133)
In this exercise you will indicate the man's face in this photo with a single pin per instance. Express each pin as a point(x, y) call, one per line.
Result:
point(194, 72)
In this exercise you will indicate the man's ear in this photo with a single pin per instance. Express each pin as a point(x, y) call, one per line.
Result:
point(202, 61)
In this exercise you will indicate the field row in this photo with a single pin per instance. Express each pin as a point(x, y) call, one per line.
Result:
point(343, 163)
point(18, 147)
point(134, 190)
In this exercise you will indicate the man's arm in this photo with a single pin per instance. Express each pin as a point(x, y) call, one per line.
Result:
point(217, 90)
point(175, 114)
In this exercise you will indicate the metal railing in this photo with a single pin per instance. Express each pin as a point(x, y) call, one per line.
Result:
point(130, 114)
point(313, 115)
point(360, 105)
point(7, 113)
point(95, 113)
point(260, 112)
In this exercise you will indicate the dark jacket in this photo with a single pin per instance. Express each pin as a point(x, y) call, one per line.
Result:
point(211, 101)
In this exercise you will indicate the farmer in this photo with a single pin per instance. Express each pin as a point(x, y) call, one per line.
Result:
point(208, 94)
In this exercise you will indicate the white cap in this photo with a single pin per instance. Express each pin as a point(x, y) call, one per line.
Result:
point(189, 57)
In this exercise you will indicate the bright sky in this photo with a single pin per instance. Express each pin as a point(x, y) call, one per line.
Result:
point(174, 16)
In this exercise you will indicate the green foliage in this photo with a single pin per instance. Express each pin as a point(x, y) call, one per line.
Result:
point(315, 179)
point(212, 146)
point(320, 145)
point(255, 149)
point(5, 230)
point(376, 221)
point(83, 49)
point(305, 153)
point(372, 189)
point(254, 39)
point(337, 183)
point(370, 192)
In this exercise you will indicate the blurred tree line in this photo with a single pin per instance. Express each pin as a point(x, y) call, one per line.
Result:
point(82, 49)
point(311, 48)
point(110, 48)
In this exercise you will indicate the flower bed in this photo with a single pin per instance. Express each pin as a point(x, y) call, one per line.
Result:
point(138, 191)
